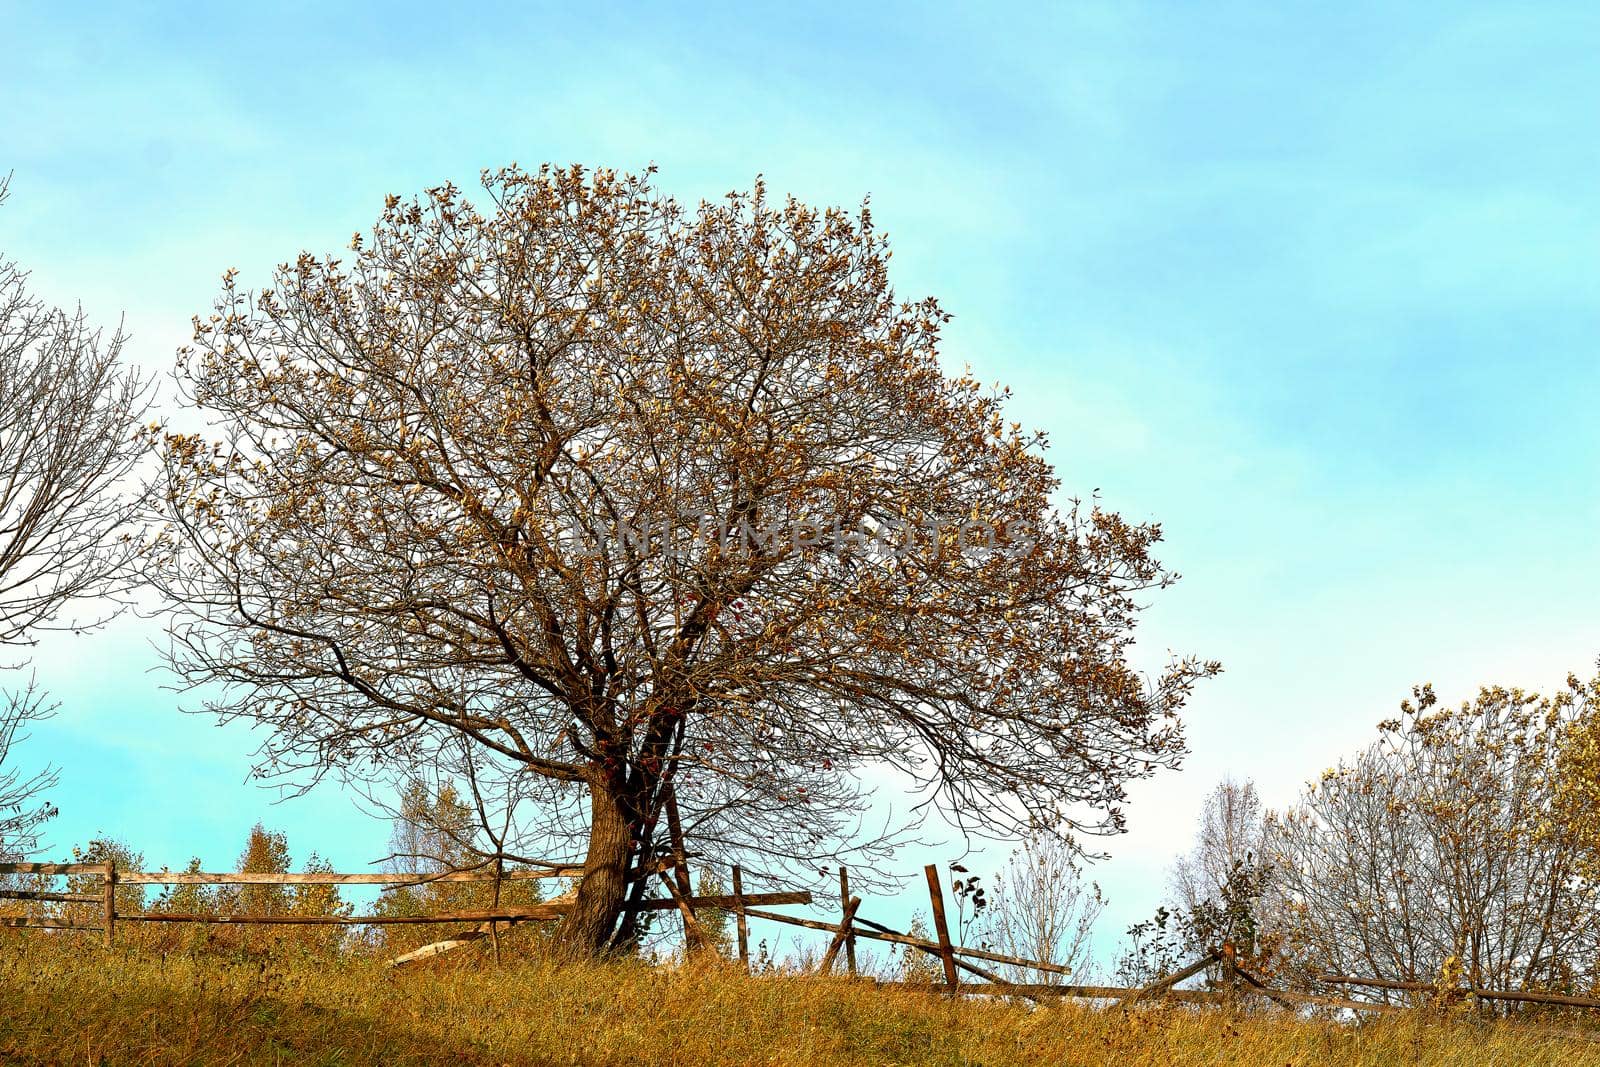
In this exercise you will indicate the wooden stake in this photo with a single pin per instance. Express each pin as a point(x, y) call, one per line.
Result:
point(738, 911)
point(940, 927)
point(844, 902)
point(841, 937)
point(1230, 978)
point(109, 880)
point(494, 927)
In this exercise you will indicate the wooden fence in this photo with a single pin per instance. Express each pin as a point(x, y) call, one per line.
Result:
point(1236, 985)
point(110, 878)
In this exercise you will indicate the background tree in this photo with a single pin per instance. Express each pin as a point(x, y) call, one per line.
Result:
point(1577, 777)
point(318, 900)
point(1040, 908)
point(267, 852)
point(631, 497)
point(1228, 836)
point(435, 831)
point(129, 898)
point(1441, 848)
point(189, 899)
point(914, 964)
point(69, 411)
point(716, 923)
point(22, 811)
point(1217, 896)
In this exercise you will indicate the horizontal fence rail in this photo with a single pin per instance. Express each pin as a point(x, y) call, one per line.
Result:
point(399, 881)
point(52, 869)
point(1526, 996)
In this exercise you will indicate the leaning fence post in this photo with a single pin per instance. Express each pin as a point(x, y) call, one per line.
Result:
point(1230, 976)
point(844, 902)
point(946, 950)
point(738, 911)
point(839, 938)
point(693, 938)
point(109, 882)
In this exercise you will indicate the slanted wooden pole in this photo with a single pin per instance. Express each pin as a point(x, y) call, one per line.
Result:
point(109, 881)
point(738, 911)
point(844, 902)
point(940, 927)
point(1161, 985)
point(841, 937)
point(694, 938)
point(680, 856)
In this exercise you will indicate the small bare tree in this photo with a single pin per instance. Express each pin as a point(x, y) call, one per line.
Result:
point(69, 411)
point(1040, 908)
point(1229, 834)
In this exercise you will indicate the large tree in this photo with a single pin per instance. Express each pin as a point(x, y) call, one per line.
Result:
point(631, 499)
point(69, 414)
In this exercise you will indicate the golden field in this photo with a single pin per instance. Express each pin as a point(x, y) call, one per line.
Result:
point(124, 1006)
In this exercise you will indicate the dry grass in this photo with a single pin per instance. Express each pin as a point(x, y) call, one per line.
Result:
point(89, 1006)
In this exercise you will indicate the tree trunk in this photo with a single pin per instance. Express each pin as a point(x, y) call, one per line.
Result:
point(587, 928)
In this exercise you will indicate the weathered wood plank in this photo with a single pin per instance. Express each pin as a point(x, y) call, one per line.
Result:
point(43, 924)
point(972, 953)
point(54, 898)
point(541, 911)
point(878, 932)
point(438, 948)
point(51, 868)
point(726, 901)
point(844, 902)
point(1291, 997)
point(108, 881)
point(1524, 996)
point(1162, 985)
point(1035, 989)
point(696, 939)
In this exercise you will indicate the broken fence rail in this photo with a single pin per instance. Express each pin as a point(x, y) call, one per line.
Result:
point(1527, 996)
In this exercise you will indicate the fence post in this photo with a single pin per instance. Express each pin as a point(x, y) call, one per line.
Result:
point(109, 882)
point(738, 911)
point(844, 903)
point(1230, 974)
point(946, 950)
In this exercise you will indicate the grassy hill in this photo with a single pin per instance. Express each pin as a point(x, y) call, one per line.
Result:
point(90, 1006)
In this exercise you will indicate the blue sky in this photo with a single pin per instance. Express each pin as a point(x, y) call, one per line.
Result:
point(1314, 287)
